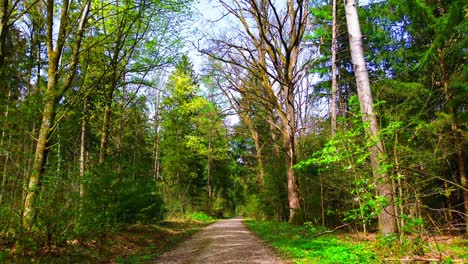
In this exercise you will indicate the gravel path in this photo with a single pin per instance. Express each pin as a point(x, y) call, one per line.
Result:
point(227, 241)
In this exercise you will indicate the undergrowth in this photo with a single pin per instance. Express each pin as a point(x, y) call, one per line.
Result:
point(310, 244)
point(200, 216)
point(299, 244)
point(128, 244)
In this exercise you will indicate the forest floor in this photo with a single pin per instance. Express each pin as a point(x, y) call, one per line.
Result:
point(227, 241)
point(309, 244)
point(230, 241)
point(128, 244)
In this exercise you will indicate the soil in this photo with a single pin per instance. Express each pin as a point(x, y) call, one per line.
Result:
point(227, 241)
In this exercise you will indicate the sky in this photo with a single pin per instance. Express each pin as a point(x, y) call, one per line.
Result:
point(207, 13)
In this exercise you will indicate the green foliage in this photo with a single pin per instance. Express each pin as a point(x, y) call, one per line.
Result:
point(299, 244)
point(391, 244)
point(199, 216)
point(413, 225)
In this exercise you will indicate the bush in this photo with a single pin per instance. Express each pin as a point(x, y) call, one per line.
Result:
point(199, 216)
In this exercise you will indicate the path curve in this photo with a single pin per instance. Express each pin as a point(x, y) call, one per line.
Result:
point(227, 241)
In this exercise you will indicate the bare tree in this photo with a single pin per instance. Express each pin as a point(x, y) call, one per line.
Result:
point(268, 46)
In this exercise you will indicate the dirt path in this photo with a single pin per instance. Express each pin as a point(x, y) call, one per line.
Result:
point(227, 241)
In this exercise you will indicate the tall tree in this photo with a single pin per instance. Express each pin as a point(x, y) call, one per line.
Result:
point(387, 221)
point(53, 93)
point(270, 50)
point(334, 87)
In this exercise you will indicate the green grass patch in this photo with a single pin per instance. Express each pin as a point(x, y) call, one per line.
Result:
point(200, 216)
point(298, 244)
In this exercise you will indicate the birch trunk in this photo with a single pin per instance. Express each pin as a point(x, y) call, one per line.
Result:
point(84, 124)
point(387, 221)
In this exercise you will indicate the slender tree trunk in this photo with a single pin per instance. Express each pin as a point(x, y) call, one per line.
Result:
point(157, 163)
point(461, 170)
point(387, 221)
point(84, 125)
point(4, 20)
point(259, 157)
point(258, 148)
point(105, 126)
point(208, 171)
point(322, 202)
point(399, 208)
point(3, 148)
point(333, 61)
point(108, 102)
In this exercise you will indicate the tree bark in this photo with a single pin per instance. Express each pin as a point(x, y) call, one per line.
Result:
point(295, 212)
point(106, 118)
point(84, 125)
point(48, 118)
point(333, 69)
point(387, 221)
point(4, 20)
point(461, 170)
point(208, 171)
point(258, 156)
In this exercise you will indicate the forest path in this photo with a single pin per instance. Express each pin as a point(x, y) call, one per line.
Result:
point(227, 241)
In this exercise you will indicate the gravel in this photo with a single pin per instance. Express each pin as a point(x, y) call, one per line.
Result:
point(227, 241)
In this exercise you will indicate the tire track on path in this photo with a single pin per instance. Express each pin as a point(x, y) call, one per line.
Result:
point(225, 242)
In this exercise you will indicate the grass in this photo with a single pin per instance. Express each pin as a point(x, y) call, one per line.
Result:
point(301, 245)
point(127, 245)
point(295, 243)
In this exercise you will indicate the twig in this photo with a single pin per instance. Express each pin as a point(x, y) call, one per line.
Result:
point(331, 231)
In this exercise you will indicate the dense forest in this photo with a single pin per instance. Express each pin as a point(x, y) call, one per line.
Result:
point(329, 113)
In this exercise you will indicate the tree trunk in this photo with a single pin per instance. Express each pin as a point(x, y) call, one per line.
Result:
point(105, 126)
point(461, 170)
point(108, 103)
point(4, 148)
point(4, 20)
point(387, 221)
point(51, 96)
point(295, 212)
point(259, 157)
point(84, 124)
point(208, 171)
point(333, 61)
point(48, 118)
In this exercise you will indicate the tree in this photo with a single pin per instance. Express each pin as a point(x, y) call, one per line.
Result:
point(270, 50)
point(435, 45)
point(53, 94)
point(181, 167)
point(387, 222)
point(334, 88)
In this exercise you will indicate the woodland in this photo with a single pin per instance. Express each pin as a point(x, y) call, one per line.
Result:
point(326, 114)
